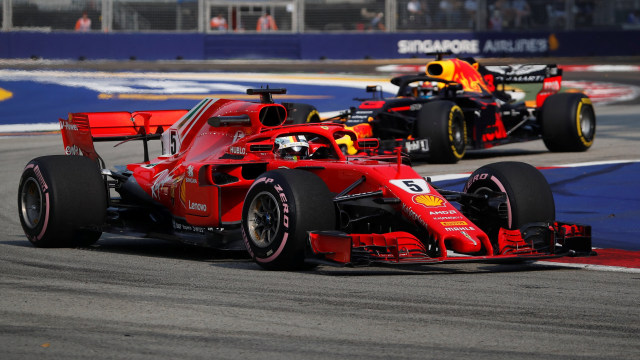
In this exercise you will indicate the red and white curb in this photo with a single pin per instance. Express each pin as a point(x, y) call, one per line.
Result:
point(607, 260)
point(600, 68)
point(603, 93)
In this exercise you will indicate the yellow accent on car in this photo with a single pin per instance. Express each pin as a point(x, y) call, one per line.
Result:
point(429, 200)
point(346, 142)
point(584, 141)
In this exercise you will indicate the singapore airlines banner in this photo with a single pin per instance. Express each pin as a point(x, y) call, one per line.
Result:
point(488, 47)
point(316, 46)
point(486, 44)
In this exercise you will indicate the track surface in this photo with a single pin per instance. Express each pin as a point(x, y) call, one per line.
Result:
point(147, 299)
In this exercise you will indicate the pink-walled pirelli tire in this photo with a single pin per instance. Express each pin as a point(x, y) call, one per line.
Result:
point(62, 201)
point(529, 197)
point(443, 123)
point(280, 208)
point(568, 122)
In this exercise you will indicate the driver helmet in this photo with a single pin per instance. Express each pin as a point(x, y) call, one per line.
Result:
point(292, 147)
point(424, 90)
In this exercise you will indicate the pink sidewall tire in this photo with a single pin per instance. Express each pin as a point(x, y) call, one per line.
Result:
point(529, 198)
point(279, 210)
point(62, 201)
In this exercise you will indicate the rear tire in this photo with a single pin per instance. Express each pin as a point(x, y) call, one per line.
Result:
point(298, 113)
point(62, 201)
point(529, 197)
point(568, 122)
point(280, 208)
point(442, 122)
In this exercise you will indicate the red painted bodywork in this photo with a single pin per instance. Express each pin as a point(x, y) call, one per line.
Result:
point(206, 170)
point(550, 86)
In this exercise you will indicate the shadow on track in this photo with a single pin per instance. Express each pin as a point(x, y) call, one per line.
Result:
point(237, 259)
point(152, 248)
point(498, 152)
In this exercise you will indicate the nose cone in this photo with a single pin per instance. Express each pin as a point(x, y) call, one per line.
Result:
point(465, 244)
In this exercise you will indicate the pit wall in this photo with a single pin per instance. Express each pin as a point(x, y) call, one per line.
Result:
point(339, 46)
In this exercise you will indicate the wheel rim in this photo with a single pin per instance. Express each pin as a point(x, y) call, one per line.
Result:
point(31, 203)
point(586, 123)
point(263, 219)
point(457, 136)
point(493, 223)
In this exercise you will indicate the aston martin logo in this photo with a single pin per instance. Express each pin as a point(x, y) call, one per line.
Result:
point(429, 200)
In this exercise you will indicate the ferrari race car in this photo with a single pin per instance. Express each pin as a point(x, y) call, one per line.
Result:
point(232, 176)
point(459, 104)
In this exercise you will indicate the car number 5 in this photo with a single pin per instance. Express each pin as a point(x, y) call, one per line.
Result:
point(414, 186)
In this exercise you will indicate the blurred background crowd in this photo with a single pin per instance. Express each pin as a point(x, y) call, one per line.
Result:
point(307, 16)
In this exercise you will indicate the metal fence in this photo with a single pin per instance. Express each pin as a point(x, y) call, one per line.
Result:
point(304, 16)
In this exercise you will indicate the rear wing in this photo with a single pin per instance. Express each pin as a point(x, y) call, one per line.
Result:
point(81, 130)
point(550, 76)
point(520, 74)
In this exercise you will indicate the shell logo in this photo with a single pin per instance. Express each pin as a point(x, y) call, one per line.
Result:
point(429, 200)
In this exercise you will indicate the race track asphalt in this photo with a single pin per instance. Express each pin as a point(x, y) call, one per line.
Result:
point(147, 299)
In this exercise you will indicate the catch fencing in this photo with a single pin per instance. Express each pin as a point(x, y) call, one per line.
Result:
point(321, 16)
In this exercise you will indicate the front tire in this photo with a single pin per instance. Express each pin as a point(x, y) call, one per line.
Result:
point(280, 208)
point(529, 197)
point(62, 201)
point(568, 122)
point(442, 122)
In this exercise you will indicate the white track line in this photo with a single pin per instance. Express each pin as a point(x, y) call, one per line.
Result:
point(591, 267)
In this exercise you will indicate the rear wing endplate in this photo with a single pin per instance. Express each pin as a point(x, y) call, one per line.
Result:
point(549, 75)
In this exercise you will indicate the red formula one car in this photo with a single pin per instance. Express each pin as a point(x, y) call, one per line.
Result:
point(458, 104)
point(232, 176)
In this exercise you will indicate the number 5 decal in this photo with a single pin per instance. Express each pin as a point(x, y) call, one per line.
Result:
point(413, 186)
point(173, 138)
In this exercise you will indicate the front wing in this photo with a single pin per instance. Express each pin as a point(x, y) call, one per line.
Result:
point(534, 242)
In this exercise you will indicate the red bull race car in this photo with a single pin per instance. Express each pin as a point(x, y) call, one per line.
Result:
point(458, 104)
point(233, 175)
